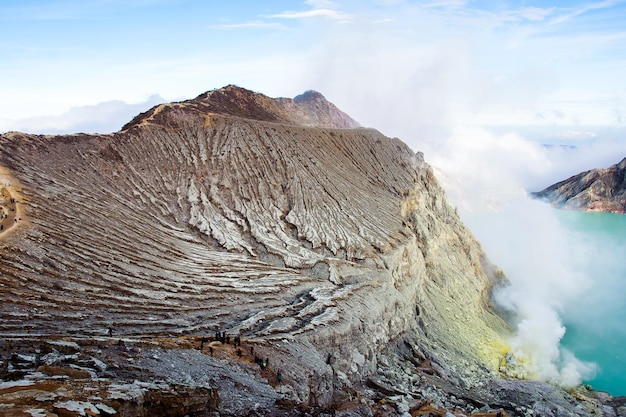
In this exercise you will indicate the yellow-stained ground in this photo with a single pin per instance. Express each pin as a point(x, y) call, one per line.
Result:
point(12, 213)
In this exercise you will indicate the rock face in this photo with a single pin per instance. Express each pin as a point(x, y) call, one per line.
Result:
point(330, 250)
point(594, 190)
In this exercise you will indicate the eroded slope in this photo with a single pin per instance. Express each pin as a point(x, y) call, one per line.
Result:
point(593, 190)
point(334, 242)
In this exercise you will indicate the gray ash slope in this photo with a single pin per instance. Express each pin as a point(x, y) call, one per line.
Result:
point(601, 189)
point(276, 219)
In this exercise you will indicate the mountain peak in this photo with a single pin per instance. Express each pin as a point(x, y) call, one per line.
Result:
point(309, 109)
point(309, 95)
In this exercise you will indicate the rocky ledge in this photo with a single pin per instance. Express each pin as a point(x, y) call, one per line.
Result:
point(181, 376)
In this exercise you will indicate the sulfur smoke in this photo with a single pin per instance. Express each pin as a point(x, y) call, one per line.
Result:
point(486, 176)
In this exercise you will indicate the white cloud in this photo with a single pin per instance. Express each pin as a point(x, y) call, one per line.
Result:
point(256, 24)
point(572, 13)
point(326, 13)
point(390, 2)
point(448, 4)
point(574, 135)
point(319, 8)
point(321, 4)
point(103, 117)
point(486, 176)
point(469, 68)
point(535, 13)
point(488, 164)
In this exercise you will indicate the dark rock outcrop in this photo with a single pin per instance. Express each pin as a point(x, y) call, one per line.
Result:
point(593, 190)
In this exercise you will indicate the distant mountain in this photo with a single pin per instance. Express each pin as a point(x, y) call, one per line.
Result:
point(310, 109)
point(593, 190)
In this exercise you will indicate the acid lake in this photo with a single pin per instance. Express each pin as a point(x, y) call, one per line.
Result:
point(596, 323)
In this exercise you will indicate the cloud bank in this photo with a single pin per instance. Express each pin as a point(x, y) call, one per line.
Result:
point(105, 117)
point(487, 176)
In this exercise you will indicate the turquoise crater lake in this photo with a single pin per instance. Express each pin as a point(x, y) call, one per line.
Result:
point(596, 323)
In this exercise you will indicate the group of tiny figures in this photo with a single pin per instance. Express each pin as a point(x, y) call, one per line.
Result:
point(224, 338)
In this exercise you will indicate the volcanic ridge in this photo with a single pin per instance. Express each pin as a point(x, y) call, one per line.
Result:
point(236, 254)
point(602, 189)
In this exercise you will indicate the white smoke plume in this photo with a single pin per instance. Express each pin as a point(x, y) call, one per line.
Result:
point(427, 92)
point(486, 176)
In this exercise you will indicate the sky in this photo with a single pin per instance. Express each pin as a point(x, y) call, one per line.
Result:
point(481, 87)
point(449, 62)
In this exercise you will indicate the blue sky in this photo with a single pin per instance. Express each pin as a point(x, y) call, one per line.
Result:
point(435, 62)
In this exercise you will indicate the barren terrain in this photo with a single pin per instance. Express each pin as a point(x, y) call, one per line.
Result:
point(330, 250)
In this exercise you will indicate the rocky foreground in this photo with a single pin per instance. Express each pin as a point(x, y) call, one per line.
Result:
point(594, 190)
point(184, 375)
point(241, 255)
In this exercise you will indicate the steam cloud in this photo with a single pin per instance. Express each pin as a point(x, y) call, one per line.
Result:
point(427, 92)
point(486, 176)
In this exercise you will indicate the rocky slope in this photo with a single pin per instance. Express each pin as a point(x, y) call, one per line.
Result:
point(330, 252)
point(593, 190)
